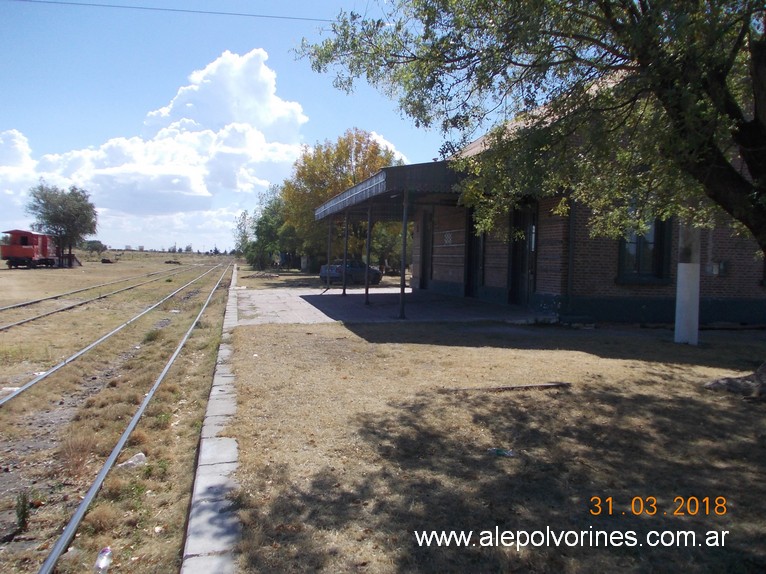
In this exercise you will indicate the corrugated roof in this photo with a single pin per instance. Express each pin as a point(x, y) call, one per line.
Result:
point(381, 189)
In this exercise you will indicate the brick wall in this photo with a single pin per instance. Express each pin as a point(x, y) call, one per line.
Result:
point(449, 244)
point(596, 265)
point(730, 265)
point(552, 249)
point(496, 248)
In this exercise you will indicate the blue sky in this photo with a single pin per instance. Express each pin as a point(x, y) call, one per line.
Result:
point(174, 122)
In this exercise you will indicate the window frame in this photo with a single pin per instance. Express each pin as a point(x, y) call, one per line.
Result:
point(660, 272)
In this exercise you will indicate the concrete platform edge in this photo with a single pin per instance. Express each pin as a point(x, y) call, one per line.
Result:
point(213, 529)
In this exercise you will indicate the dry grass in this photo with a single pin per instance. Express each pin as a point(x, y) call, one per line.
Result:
point(59, 336)
point(73, 451)
point(46, 282)
point(353, 437)
point(141, 512)
point(101, 519)
point(151, 501)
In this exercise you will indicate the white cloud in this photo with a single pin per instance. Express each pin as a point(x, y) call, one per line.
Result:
point(17, 175)
point(15, 152)
point(204, 157)
point(385, 144)
point(234, 89)
point(223, 137)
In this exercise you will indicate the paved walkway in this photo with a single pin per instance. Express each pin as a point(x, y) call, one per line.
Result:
point(213, 529)
point(307, 305)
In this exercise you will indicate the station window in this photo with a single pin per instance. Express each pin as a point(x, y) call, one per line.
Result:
point(645, 259)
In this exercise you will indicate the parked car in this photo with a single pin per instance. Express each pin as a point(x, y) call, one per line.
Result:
point(355, 269)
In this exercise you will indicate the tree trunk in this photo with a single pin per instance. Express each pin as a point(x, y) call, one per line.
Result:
point(732, 192)
point(760, 379)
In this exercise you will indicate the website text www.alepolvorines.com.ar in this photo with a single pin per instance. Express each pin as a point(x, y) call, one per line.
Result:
point(549, 537)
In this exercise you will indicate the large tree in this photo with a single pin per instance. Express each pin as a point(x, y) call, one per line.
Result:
point(265, 229)
point(243, 223)
point(324, 171)
point(67, 216)
point(640, 109)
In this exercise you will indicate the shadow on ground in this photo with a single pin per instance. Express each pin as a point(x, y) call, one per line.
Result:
point(736, 350)
point(427, 477)
point(278, 279)
point(686, 464)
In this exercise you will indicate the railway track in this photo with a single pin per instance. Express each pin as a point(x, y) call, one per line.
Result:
point(42, 337)
point(42, 467)
point(44, 375)
point(157, 276)
point(88, 288)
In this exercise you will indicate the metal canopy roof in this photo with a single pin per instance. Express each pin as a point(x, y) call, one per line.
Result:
point(383, 190)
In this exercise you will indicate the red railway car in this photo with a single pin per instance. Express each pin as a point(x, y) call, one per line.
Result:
point(28, 249)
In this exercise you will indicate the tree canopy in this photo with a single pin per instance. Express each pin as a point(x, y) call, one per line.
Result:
point(266, 229)
point(94, 246)
point(67, 216)
point(324, 171)
point(243, 223)
point(640, 109)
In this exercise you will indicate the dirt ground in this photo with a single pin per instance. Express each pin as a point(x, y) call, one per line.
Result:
point(355, 438)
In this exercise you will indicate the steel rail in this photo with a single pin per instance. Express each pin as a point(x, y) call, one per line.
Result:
point(71, 528)
point(35, 301)
point(85, 302)
point(68, 360)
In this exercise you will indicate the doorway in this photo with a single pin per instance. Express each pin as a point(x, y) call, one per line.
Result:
point(521, 280)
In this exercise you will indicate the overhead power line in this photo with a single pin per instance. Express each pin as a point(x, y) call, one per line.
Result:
point(177, 10)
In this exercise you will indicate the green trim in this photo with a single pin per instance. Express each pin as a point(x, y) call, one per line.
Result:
point(657, 309)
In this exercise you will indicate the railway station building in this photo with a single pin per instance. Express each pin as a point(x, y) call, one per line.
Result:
point(554, 265)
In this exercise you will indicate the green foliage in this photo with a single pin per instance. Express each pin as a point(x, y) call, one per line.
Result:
point(22, 510)
point(94, 246)
point(637, 109)
point(152, 336)
point(68, 216)
point(323, 172)
point(160, 471)
point(286, 223)
point(242, 226)
point(626, 187)
point(267, 230)
point(162, 421)
point(387, 244)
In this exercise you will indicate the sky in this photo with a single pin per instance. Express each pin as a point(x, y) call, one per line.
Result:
point(174, 122)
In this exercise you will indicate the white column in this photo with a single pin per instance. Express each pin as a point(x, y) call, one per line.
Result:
point(688, 285)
